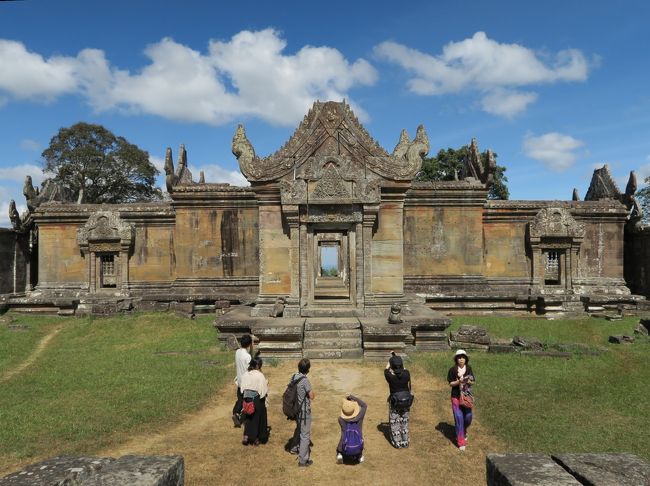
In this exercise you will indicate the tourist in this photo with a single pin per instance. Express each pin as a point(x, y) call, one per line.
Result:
point(301, 440)
point(242, 360)
point(399, 401)
point(350, 447)
point(255, 388)
point(460, 376)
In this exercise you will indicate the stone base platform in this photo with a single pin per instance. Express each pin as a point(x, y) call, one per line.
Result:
point(566, 469)
point(335, 337)
point(95, 471)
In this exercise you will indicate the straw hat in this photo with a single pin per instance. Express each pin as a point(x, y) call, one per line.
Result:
point(349, 409)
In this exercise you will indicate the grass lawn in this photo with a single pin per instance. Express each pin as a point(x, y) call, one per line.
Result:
point(583, 404)
point(100, 380)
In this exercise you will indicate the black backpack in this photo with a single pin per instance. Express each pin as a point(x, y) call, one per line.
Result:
point(401, 401)
point(290, 403)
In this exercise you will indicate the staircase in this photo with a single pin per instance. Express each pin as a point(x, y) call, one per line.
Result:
point(332, 337)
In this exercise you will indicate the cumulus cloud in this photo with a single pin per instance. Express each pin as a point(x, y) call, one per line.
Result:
point(481, 64)
point(642, 173)
point(216, 173)
point(17, 173)
point(248, 75)
point(555, 150)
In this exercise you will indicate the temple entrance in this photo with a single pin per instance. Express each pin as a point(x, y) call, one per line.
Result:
point(331, 279)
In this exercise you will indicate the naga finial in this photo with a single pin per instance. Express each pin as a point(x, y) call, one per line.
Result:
point(14, 217)
point(169, 170)
point(575, 196)
point(403, 144)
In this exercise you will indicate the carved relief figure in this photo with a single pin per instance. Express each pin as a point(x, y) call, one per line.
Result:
point(395, 316)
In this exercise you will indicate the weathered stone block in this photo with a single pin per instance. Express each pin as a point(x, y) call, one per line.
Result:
point(140, 471)
point(502, 348)
point(183, 309)
point(60, 470)
point(621, 339)
point(526, 470)
point(528, 343)
point(606, 469)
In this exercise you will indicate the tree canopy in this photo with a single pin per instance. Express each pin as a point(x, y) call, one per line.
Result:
point(643, 196)
point(97, 166)
point(448, 164)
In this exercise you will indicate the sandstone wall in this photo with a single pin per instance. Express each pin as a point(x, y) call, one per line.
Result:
point(637, 261)
point(387, 251)
point(13, 268)
point(60, 263)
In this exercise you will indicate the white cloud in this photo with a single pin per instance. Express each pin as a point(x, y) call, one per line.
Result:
point(507, 103)
point(216, 173)
point(27, 75)
point(489, 67)
point(158, 162)
point(17, 173)
point(30, 145)
point(248, 75)
point(643, 172)
point(553, 149)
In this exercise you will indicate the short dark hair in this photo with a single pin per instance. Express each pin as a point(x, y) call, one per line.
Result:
point(246, 340)
point(255, 364)
point(303, 366)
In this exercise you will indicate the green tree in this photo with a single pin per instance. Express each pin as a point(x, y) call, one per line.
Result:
point(643, 197)
point(97, 166)
point(448, 164)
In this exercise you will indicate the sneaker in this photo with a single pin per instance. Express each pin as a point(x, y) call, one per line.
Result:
point(293, 451)
point(236, 420)
point(361, 459)
point(339, 458)
point(461, 448)
point(305, 464)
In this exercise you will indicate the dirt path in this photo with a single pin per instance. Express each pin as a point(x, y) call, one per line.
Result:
point(214, 455)
point(31, 358)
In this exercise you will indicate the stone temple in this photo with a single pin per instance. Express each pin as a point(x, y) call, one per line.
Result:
point(332, 231)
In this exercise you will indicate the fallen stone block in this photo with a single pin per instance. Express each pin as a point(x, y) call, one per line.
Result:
point(502, 348)
point(548, 354)
point(183, 309)
point(621, 339)
point(526, 470)
point(96, 471)
point(528, 343)
point(140, 471)
point(606, 469)
point(57, 470)
point(641, 330)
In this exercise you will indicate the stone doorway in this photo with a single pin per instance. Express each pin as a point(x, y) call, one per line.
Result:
point(332, 272)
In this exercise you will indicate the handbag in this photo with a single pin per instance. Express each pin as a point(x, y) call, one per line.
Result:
point(466, 399)
point(402, 400)
point(248, 405)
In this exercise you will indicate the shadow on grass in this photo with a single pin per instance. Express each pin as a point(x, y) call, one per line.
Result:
point(448, 430)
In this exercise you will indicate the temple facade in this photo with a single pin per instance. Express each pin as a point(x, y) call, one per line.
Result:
point(331, 193)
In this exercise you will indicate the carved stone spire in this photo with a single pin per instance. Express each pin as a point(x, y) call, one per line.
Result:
point(170, 179)
point(403, 144)
point(30, 193)
point(183, 173)
point(575, 196)
point(201, 178)
point(14, 217)
point(473, 165)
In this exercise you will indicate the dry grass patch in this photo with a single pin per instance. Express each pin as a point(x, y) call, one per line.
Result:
point(214, 454)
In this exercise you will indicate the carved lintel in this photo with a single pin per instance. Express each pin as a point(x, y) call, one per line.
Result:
point(105, 227)
point(556, 223)
point(293, 192)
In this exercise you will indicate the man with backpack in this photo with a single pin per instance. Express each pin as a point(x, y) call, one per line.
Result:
point(296, 404)
point(353, 411)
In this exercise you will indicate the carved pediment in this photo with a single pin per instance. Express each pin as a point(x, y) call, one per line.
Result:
point(331, 129)
point(556, 223)
point(105, 226)
point(602, 186)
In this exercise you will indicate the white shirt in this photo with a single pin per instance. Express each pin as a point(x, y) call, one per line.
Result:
point(242, 360)
point(255, 380)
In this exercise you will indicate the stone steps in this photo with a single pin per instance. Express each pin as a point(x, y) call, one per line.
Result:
point(332, 338)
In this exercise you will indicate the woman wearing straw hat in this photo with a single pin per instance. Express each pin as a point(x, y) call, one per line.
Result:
point(399, 400)
point(350, 447)
point(460, 375)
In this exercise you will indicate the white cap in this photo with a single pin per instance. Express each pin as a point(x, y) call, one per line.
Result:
point(460, 352)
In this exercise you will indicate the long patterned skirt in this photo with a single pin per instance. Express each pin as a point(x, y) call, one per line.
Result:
point(399, 427)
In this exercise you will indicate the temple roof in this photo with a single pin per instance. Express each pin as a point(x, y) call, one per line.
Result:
point(331, 128)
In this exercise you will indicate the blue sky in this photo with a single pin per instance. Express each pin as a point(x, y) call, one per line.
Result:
point(554, 88)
